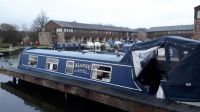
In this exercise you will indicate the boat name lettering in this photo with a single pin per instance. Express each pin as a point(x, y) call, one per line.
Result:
point(80, 65)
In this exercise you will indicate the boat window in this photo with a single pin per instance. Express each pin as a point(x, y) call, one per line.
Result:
point(69, 67)
point(173, 54)
point(52, 64)
point(174, 57)
point(101, 72)
point(161, 54)
point(32, 61)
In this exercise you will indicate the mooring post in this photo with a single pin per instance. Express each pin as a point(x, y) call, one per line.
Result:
point(66, 103)
point(65, 96)
point(14, 80)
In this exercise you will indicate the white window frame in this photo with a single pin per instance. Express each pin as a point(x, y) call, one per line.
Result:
point(96, 69)
point(51, 63)
point(29, 59)
point(69, 61)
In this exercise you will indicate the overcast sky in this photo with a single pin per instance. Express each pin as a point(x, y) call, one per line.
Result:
point(126, 13)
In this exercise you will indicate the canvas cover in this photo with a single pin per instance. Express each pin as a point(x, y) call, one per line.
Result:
point(183, 81)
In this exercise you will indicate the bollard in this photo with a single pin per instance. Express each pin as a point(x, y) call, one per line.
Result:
point(14, 80)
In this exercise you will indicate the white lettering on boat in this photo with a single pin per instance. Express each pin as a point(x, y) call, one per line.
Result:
point(81, 65)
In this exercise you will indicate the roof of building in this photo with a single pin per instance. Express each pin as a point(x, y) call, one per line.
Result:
point(91, 26)
point(171, 28)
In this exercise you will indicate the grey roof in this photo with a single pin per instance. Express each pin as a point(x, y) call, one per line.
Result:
point(171, 28)
point(92, 26)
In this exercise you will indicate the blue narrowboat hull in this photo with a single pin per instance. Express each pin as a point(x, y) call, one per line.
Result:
point(122, 75)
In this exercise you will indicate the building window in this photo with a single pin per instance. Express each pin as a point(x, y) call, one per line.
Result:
point(52, 64)
point(69, 67)
point(101, 72)
point(58, 30)
point(32, 60)
point(198, 14)
point(65, 29)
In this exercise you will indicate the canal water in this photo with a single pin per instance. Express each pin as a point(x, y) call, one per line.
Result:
point(26, 97)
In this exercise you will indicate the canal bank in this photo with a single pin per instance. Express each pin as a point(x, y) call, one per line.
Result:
point(10, 51)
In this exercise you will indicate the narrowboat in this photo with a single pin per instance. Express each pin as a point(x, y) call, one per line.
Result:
point(167, 67)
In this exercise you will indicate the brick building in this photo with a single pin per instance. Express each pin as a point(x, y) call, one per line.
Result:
point(141, 34)
point(197, 22)
point(62, 31)
point(179, 30)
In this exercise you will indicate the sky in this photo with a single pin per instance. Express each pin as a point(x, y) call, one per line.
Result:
point(124, 13)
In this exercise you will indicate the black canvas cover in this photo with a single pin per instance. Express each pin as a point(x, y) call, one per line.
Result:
point(183, 81)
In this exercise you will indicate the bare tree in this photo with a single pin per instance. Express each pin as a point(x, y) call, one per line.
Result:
point(9, 33)
point(24, 27)
point(7, 27)
point(40, 21)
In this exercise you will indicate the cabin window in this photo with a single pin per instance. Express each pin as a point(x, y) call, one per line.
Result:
point(32, 61)
point(69, 67)
point(52, 64)
point(161, 54)
point(101, 72)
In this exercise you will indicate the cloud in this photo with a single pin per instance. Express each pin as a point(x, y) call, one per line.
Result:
point(131, 13)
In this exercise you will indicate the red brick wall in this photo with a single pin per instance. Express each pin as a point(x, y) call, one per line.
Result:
point(196, 29)
point(51, 26)
point(196, 24)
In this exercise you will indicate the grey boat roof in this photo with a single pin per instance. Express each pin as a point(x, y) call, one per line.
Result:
point(76, 55)
point(171, 28)
point(92, 26)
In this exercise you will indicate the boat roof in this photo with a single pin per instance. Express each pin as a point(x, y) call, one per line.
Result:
point(80, 55)
point(167, 40)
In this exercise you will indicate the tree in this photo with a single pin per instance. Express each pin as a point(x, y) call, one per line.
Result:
point(24, 31)
point(24, 27)
point(7, 27)
point(40, 21)
point(33, 36)
point(9, 33)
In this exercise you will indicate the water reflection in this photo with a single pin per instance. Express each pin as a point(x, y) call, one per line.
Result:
point(27, 97)
point(10, 61)
point(10, 102)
